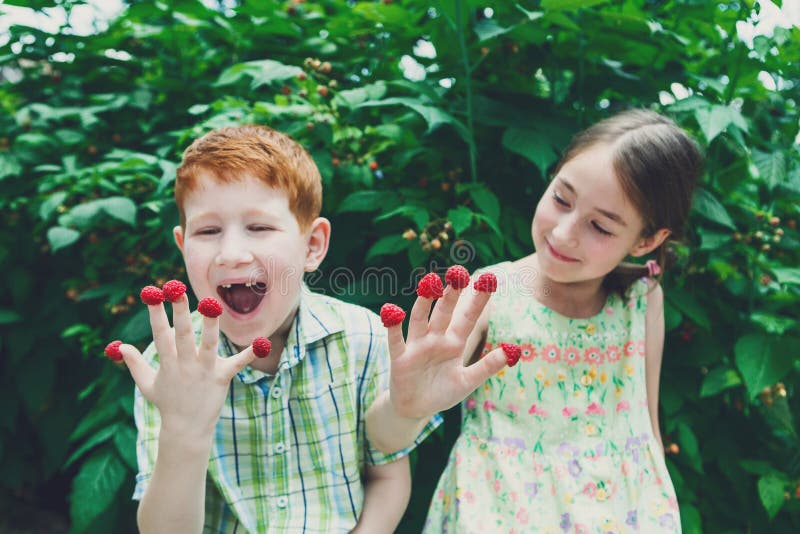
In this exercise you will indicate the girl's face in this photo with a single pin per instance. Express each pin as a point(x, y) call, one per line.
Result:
point(584, 225)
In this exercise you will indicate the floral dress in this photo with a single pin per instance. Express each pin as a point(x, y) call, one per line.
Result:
point(562, 442)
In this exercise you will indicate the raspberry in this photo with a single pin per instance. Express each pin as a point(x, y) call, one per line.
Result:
point(513, 352)
point(392, 314)
point(151, 295)
point(430, 287)
point(112, 351)
point(209, 307)
point(173, 290)
point(457, 276)
point(487, 282)
point(262, 347)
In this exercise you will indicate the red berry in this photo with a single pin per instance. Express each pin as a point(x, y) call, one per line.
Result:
point(209, 307)
point(373, 165)
point(457, 276)
point(392, 314)
point(513, 352)
point(112, 351)
point(173, 290)
point(487, 282)
point(151, 295)
point(430, 287)
point(262, 347)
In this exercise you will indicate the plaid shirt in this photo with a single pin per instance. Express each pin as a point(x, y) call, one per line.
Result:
point(289, 450)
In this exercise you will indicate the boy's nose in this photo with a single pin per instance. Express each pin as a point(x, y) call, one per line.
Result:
point(233, 251)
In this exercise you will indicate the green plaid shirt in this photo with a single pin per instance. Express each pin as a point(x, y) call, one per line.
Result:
point(289, 450)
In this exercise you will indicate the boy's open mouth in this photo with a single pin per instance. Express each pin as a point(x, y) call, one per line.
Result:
point(242, 298)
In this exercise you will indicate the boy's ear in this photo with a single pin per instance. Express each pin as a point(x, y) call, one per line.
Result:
point(177, 233)
point(319, 237)
point(649, 244)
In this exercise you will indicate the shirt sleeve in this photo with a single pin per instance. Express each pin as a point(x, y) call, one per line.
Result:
point(377, 369)
point(148, 424)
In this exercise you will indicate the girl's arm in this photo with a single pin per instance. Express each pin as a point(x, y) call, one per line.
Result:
point(387, 489)
point(654, 348)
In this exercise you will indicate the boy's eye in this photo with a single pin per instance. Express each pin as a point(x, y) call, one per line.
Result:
point(601, 229)
point(207, 231)
point(258, 228)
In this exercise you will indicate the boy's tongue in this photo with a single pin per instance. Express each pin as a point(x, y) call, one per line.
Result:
point(240, 298)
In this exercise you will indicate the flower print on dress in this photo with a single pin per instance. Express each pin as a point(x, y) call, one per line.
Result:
point(536, 410)
point(528, 352)
point(566, 522)
point(612, 353)
point(551, 353)
point(595, 409)
point(593, 355)
point(629, 348)
point(572, 356)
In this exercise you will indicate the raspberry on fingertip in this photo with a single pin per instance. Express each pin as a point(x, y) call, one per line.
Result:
point(112, 351)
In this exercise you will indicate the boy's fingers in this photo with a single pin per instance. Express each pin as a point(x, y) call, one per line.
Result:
point(463, 323)
point(443, 311)
point(396, 343)
point(162, 334)
point(142, 374)
point(237, 362)
point(485, 368)
point(209, 340)
point(185, 343)
point(418, 318)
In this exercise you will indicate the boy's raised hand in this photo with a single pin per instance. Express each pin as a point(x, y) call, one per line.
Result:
point(427, 369)
point(191, 383)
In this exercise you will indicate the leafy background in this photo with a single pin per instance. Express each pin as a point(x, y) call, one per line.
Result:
point(439, 160)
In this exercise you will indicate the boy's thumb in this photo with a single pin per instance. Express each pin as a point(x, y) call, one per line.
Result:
point(142, 374)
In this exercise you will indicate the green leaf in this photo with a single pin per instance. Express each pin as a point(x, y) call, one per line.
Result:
point(97, 438)
point(362, 201)
point(121, 208)
point(531, 144)
point(9, 166)
point(418, 214)
point(434, 116)
point(787, 275)
point(719, 379)
point(125, 442)
point(773, 324)
point(352, 98)
point(487, 202)
point(691, 522)
point(771, 166)
point(689, 446)
point(764, 359)
point(489, 28)
point(95, 488)
point(708, 207)
point(60, 237)
point(262, 72)
point(716, 119)
point(137, 328)
point(770, 490)
point(461, 217)
point(9, 316)
point(51, 204)
point(570, 5)
point(688, 304)
point(390, 244)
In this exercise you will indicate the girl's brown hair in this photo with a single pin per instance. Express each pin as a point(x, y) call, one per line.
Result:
point(658, 166)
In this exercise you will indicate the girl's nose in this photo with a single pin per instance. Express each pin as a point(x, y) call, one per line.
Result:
point(233, 251)
point(565, 231)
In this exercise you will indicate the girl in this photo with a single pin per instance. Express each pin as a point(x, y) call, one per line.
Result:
point(568, 440)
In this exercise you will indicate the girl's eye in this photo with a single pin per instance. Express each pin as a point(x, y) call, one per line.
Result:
point(560, 200)
point(601, 229)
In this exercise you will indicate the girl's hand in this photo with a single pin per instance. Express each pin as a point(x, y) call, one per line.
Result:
point(427, 370)
point(191, 384)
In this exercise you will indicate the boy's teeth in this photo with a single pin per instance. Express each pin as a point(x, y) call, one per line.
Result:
point(226, 286)
point(248, 284)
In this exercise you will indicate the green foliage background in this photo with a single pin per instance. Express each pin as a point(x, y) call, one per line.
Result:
point(92, 128)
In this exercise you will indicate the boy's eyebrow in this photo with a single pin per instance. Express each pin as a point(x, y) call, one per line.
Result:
point(610, 214)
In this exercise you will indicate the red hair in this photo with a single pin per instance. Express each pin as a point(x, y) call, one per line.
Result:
point(229, 154)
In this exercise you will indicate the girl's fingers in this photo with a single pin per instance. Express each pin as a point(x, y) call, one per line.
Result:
point(185, 343)
point(162, 334)
point(485, 368)
point(396, 343)
point(142, 374)
point(443, 311)
point(418, 318)
point(464, 321)
point(209, 340)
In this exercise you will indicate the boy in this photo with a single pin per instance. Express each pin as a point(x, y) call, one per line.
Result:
point(283, 438)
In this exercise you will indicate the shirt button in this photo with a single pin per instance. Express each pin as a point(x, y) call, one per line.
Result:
point(279, 448)
point(282, 501)
point(276, 392)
